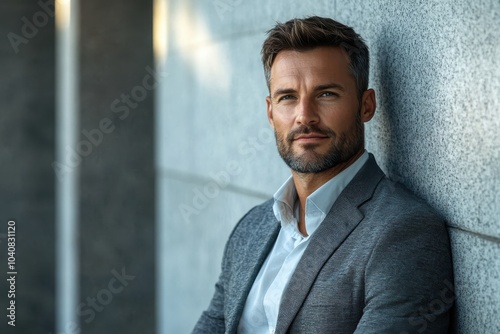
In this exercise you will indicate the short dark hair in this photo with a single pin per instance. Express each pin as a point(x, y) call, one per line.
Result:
point(311, 32)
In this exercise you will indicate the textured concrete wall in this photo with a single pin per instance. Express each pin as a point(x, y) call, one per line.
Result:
point(435, 68)
point(26, 153)
point(117, 177)
point(117, 183)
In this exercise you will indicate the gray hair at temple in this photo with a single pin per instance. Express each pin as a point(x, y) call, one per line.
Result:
point(311, 32)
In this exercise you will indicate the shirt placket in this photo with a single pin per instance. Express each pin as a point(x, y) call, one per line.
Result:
point(273, 294)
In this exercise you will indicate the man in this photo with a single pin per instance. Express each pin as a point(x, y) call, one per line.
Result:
point(340, 248)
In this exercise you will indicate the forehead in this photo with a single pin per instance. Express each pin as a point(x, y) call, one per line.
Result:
point(318, 65)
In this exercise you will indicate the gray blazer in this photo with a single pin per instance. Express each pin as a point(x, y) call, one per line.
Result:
point(379, 263)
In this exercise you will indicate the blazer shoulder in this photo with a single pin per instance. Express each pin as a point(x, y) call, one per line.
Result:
point(400, 199)
point(395, 209)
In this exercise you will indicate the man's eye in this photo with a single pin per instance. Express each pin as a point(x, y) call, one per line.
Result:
point(285, 97)
point(329, 94)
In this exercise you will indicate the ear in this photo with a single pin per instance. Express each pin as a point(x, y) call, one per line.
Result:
point(368, 105)
point(270, 111)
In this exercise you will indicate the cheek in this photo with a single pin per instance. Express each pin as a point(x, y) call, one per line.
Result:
point(283, 113)
point(340, 122)
point(282, 121)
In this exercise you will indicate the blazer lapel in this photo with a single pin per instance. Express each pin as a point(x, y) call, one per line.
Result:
point(338, 224)
point(256, 249)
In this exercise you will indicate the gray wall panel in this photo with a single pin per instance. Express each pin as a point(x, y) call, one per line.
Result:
point(117, 177)
point(477, 273)
point(26, 154)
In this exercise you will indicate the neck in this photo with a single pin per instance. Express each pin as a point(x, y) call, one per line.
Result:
point(307, 183)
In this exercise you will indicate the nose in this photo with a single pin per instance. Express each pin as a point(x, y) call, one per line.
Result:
point(307, 112)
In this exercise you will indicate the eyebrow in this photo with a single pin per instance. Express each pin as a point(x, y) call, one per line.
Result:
point(331, 85)
point(283, 91)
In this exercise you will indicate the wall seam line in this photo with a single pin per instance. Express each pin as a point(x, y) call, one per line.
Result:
point(204, 180)
point(477, 234)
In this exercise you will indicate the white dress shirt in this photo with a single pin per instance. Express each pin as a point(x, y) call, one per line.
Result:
point(260, 313)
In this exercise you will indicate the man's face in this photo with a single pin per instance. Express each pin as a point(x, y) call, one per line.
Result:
point(314, 110)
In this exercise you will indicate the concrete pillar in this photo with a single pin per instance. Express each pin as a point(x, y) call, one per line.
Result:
point(117, 177)
point(27, 151)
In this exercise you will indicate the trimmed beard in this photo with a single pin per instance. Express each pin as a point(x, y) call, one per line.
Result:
point(343, 148)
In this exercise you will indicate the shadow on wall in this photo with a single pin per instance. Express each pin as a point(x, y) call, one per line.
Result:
point(407, 95)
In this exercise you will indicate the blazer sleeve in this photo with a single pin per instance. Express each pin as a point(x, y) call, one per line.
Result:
point(409, 279)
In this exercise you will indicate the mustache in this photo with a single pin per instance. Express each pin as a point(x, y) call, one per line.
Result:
point(308, 129)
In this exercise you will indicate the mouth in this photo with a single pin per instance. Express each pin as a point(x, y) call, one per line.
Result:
point(309, 138)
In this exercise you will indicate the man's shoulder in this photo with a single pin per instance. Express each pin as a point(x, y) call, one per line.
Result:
point(395, 207)
point(396, 195)
point(381, 195)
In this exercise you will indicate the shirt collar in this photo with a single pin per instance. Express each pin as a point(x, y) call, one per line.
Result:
point(327, 194)
point(319, 203)
point(284, 201)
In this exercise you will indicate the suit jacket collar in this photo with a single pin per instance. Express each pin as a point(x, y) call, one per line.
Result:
point(342, 219)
